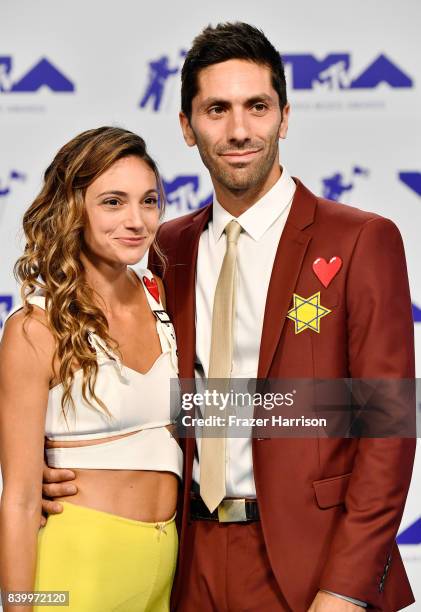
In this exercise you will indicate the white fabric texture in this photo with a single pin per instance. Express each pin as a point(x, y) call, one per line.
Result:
point(136, 402)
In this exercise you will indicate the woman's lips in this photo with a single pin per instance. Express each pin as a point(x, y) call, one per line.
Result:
point(132, 241)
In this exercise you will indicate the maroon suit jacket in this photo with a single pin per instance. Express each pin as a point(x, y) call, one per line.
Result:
point(330, 508)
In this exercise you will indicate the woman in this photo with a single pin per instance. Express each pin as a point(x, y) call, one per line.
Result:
point(87, 362)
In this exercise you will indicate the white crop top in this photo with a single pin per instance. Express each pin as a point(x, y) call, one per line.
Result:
point(137, 402)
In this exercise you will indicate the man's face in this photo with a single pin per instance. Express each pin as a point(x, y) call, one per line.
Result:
point(236, 122)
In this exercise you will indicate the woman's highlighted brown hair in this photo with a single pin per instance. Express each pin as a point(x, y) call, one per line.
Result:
point(53, 227)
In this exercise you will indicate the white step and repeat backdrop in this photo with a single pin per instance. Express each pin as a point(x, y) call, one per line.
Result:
point(353, 71)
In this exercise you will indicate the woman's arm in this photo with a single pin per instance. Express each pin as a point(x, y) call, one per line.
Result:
point(25, 372)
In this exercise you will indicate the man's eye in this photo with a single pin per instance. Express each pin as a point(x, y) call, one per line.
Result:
point(216, 110)
point(260, 107)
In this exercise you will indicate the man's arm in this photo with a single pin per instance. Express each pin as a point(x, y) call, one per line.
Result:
point(380, 346)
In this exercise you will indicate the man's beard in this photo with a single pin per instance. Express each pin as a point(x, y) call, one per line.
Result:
point(242, 177)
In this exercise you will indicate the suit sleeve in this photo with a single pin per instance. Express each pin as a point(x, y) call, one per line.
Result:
point(380, 346)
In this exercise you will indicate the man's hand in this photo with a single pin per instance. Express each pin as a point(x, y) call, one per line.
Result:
point(325, 602)
point(55, 483)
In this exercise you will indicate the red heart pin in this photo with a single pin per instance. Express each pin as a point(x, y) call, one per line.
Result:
point(152, 286)
point(325, 271)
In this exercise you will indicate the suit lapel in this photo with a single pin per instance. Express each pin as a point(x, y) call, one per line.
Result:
point(286, 268)
point(185, 283)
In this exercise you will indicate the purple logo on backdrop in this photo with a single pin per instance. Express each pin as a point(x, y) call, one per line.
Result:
point(335, 185)
point(416, 311)
point(304, 72)
point(42, 74)
point(412, 180)
point(183, 193)
point(160, 71)
point(411, 535)
point(6, 303)
point(6, 185)
point(333, 72)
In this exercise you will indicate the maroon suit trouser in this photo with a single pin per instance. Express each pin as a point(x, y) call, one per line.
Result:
point(227, 570)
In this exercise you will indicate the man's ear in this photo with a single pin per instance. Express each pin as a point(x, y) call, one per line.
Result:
point(283, 128)
point(188, 133)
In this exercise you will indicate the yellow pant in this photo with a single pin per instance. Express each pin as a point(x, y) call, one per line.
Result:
point(106, 562)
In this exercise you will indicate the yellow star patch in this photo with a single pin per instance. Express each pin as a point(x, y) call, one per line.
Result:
point(307, 313)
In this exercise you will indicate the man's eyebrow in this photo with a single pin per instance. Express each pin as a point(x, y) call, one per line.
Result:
point(124, 194)
point(218, 101)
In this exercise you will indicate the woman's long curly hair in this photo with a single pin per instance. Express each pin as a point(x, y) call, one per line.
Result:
point(53, 226)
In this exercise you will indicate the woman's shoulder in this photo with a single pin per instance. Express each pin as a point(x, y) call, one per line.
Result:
point(24, 329)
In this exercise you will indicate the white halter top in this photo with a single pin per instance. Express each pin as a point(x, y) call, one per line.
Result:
point(137, 402)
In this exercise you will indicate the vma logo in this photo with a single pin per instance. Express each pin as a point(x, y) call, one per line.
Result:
point(304, 71)
point(337, 184)
point(412, 180)
point(6, 304)
point(183, 193)
point(42, 74)
point(411, 535)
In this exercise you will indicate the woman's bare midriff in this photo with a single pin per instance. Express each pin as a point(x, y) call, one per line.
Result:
point(135, 494)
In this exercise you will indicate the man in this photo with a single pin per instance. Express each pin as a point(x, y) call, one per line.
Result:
point(318, 516)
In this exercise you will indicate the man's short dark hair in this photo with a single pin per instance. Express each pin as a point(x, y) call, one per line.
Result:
point(224, 42)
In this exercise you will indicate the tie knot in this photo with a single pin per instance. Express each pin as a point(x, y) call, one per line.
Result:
point(233, 230)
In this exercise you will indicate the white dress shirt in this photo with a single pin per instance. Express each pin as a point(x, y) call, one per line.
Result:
point(262, 226)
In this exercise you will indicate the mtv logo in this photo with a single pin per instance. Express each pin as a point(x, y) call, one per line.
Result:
point(6, 304)
point(411, 535)
point(333, 72)
point(183, 192)
point(43, 73)
point(412, 180)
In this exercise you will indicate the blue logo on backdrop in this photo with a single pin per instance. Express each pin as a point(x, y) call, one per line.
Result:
point(334, 72)
point(183, 193)
point(6, 185)
point(304, 72)
point(160, 70)
point(412, 180)
point(6, 303)
point(337, 184)
point(43, 73)
point(411, 535)
point(416, 311)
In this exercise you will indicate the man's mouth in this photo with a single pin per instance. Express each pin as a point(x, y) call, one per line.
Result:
point(240, 156)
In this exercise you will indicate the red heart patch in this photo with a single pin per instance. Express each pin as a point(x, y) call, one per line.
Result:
point(325, 271)
point(152, 286)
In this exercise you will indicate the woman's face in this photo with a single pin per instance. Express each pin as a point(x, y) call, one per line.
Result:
point(122, 212)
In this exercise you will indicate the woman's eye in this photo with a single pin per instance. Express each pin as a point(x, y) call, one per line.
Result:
point(152, 201)
point(113, 202)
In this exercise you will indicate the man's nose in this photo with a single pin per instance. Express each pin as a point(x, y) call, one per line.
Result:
point(238, 126)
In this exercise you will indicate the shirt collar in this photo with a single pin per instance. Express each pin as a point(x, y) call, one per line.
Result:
point(259, 217)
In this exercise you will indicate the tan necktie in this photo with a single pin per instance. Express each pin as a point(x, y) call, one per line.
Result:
point(212, 452)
